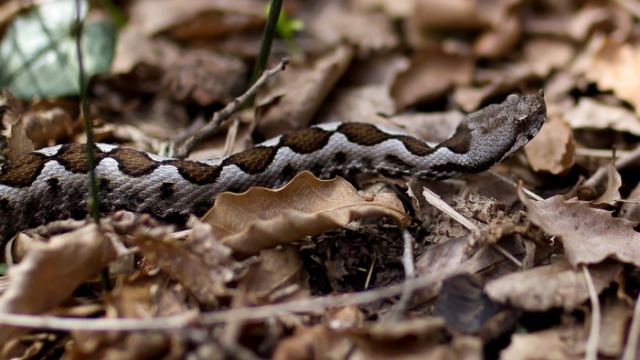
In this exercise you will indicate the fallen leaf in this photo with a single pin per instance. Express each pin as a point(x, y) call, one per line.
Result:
point(550, 286)
point(612, 192)
point(334, 23)
point(199, 262)
point(589, 235)
point(50, 272)
point(431, 73)
point(263, 218)
point(615, 66)
point(18, 142)
point(134, 47)
point(299, 92)
point(553, 149)
point(592, 114)
point(566, 343)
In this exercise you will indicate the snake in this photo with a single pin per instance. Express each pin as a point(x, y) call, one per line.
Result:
point(52, 183)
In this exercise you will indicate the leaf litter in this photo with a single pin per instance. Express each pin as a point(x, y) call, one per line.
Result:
point(317, 268)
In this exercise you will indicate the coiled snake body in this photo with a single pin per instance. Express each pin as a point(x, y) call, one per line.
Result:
point(51, 183)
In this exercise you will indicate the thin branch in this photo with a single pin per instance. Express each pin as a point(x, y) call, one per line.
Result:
point(594, 329)
point(409, 273)
point(257, 313)
point(634, 334)
point(209, 129)
point(629, 158)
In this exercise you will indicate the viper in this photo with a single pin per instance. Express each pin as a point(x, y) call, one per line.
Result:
point(51, 183)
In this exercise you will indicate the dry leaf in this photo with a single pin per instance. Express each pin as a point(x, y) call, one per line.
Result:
point(18, 143)
point(550, 286)
point(592, 114)
point(616, 66)
point(202, 18)
point(563, 343)
point(589, 235)
point(299, 93)
point(612, 191)
point(262, 218)
point(553, 149)
point(277, 276)
point(134, 47)
point(50, 272)
point(334, 23)
point(431, 73)
point(199, 262)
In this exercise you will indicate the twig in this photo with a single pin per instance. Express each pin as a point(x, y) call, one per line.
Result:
point(268, 34)
point(171, 323)
point(634, 334)
point(598, 177)
point(436, 202)
point(594, 329)
point(92, 202)
point(185, 148)
point(409, 273)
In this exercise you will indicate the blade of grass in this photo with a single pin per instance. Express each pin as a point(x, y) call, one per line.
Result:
point(265, 44)
point(92, 202)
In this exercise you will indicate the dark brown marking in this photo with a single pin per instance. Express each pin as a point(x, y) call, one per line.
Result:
point(23, 171)
point(340, 157)
point(74, 158)
point(460, 143)
point(166, 190)
point(253, 161)
point(415, 146)
point(307, 140)
point(196, 172)
point(399, 163)
point(363, 134)
point(133, 162)
point(104, 185)
point(54, 185)
point(4, 205)
point(288, 171)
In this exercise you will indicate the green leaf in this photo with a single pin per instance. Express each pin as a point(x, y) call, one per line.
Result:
point(38, 52)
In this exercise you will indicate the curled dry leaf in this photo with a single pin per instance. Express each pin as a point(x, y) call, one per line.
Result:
point(553, 150)
point(199, 262)
point(19, 143)
point(550, 286)
point(615, 66)
point(593, 114)
point(589, 235)
point(565, 343)
point(431, 73)
point(612, 191)
point(298, 93)
point(262, 218)
point(50, 272)
point(335, 23)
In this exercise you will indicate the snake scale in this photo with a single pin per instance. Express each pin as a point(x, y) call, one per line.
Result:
point(51, 183)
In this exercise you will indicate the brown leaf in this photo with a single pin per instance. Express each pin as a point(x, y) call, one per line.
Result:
point(566, 343)
point(18, 143)
point(550, 286)
point(431, 73)
point(553, 149)
point(50, 272)
point(262, 218)
point(298, 93)
point(199, 262)
point(592, 114)
point(612, 191)
point(589, 235)
point(615, 66)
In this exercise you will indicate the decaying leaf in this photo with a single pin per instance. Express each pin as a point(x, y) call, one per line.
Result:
point(50, 272)
point(612, 191)
point(615, 66)
point(299, 92)
point(550, 286)
point(262, 218)
point(553, 149)
point(19, 143)
point(199, 262)
point(589, 235)
point(431, 73)
point(557, 343)
point(592, 114)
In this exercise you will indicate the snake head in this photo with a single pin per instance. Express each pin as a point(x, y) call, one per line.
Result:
point(525, 115)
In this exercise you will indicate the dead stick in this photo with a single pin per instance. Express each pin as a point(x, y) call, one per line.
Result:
point(222, 115)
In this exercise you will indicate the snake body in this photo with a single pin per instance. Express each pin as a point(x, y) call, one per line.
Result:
point(51, 183)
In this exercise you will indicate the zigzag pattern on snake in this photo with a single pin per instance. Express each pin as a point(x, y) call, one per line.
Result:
point(51, 183)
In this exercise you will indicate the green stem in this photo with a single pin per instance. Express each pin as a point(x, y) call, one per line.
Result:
point(267, 39)
point(92, 202)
